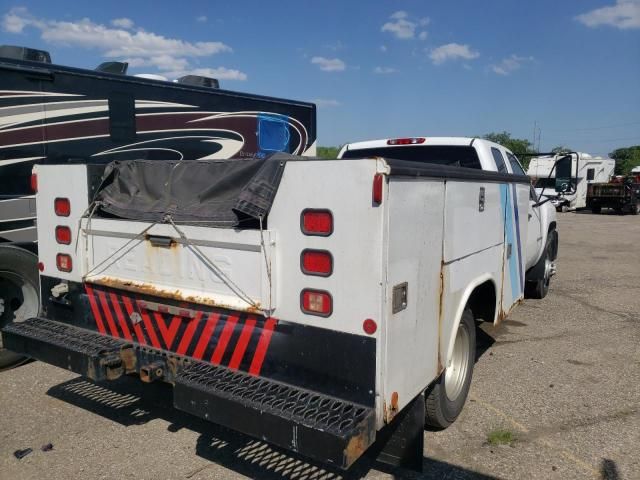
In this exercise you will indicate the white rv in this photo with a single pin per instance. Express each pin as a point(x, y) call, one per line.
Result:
point(586, 168)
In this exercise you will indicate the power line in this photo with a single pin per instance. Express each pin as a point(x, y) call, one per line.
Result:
point(637, 139)
point(593, 128)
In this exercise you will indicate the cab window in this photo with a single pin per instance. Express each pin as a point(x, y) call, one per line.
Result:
point(499, 159)
point(515, 165)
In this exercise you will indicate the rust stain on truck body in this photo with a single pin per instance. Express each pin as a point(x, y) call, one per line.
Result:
point(173, 294)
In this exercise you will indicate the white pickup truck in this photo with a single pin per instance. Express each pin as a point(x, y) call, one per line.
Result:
point(321, 305)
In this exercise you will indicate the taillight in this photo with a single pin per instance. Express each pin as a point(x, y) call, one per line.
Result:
point(378, 181)
point(63, 235)
point(406, 141)
point(316, 262)
point(62, 207)
point(369, 326)
point(316, 302)
point(41, 266)
point(316, 222)
point(34, 182)
point(63, 262)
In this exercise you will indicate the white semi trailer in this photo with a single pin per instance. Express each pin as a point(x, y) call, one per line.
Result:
point(585, 169)
point(321, 305)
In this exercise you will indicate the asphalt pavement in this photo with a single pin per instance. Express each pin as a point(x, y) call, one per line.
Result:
point(555, 394)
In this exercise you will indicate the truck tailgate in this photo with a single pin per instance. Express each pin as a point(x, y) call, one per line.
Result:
point(218, 267)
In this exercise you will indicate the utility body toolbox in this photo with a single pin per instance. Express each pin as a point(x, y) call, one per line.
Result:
point(305, 302)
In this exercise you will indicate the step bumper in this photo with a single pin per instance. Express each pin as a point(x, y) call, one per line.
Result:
point(316, 425)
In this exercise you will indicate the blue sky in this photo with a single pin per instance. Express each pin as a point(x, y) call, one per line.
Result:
point(379, 69)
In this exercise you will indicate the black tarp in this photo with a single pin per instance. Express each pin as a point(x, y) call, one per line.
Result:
point(218, 193)
point(229, 193)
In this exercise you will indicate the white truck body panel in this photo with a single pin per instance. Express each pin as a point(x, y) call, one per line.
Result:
point(411, 344)
point(441, 236)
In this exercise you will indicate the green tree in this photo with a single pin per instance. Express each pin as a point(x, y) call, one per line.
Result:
point(516, 145)
point(327, 152)
point(626, 159)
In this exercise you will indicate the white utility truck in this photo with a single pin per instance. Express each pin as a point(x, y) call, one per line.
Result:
point(586, 170)
point(321, 305)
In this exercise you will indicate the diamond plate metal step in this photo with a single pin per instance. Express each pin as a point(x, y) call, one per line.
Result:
point(316, 425)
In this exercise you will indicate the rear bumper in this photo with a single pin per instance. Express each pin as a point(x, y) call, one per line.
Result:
point(313, 424)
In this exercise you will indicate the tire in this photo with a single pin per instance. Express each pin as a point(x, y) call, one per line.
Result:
point(445, 398)
point(635, 209)
point(539, 287)
point(596, 210)
point(19, 293)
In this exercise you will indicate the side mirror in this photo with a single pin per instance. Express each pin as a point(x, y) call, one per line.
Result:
point(565, 182)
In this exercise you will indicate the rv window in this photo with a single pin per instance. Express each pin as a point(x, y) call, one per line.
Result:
point(497, 156)
point(591, 173)
point(515, 165)
point(122, 117)
point(546, 182)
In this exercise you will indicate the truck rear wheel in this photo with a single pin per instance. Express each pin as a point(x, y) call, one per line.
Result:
point(635, 209)
point(19, 292)
point(445, 398)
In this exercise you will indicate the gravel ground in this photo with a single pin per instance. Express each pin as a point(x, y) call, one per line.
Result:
point(561, 377)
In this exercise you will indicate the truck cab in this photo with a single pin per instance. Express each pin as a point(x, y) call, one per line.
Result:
point(541, 244)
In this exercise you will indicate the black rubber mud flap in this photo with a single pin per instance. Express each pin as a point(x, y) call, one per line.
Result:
point(318, 426)
point(401, 443)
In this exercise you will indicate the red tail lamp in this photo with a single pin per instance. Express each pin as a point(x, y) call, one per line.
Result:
point(63, 235)
point(406, 141)
point(62, 207)
point(317, 222)
point(316, 262)
point(316, 302)
point(369, 326)
point(378, 182)
point(64, 262)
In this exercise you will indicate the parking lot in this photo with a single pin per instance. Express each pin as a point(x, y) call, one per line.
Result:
point(555, 394)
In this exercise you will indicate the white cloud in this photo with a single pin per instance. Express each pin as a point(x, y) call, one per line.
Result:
point(121, 40)
point(510, 64)
point(326, 102)
point(201, 19)
point(329, 64)
point(452, 51)
point(384, 70)
point(124, 22)
point(402, 26)
point(16, 20)
point(625, 14)
point(221, 73)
